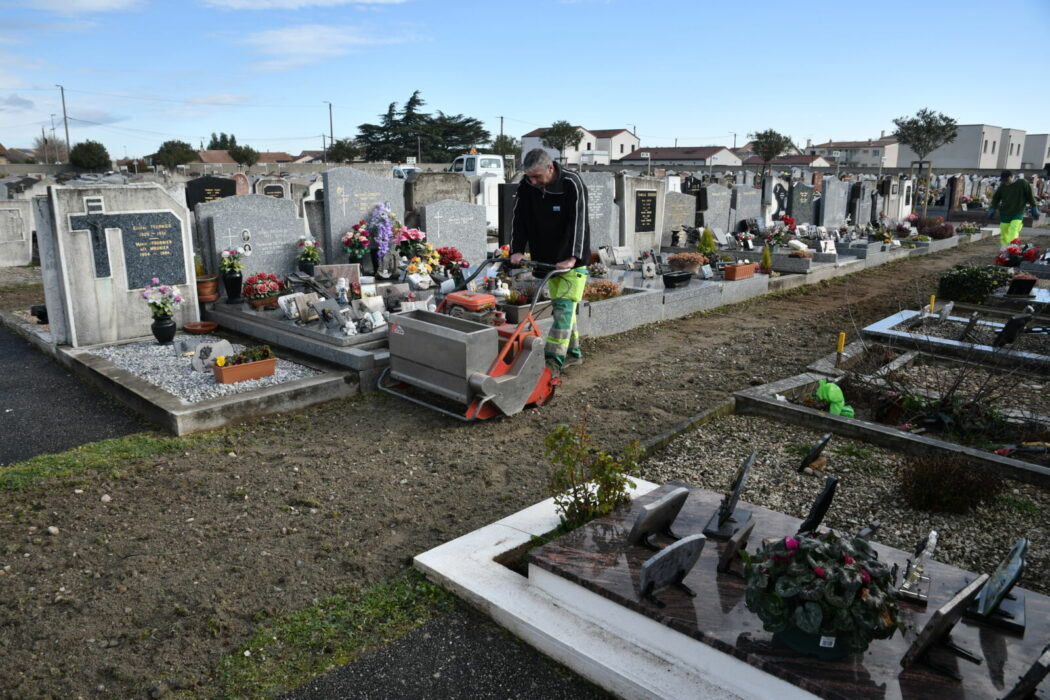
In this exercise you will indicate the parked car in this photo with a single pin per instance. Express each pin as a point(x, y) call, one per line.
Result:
point(476, 164)
point(401, 172)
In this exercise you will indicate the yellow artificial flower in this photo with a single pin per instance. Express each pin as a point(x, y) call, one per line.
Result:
point(413, 269)
point(220, 361)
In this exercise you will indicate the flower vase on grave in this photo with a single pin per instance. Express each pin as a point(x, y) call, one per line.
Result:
point(232, 282)
point(163, 328)
point(306, 267)
point(368, 268)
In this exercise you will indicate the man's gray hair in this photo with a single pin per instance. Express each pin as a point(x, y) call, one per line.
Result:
point(535, 159)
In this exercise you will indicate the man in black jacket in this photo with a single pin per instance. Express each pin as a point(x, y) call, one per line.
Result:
point(550, 219)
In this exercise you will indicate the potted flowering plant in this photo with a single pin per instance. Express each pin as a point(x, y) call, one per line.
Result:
point(250, 363)
point(968, 227)
point(382, 226)
point(357, 243)
point(1018, 251)
point(309, 254)
point(410, 242)
point(452, 262)
point(262, 290)
point(688, 262)
point(162, 300)
point(822, 594)
point(230, 266)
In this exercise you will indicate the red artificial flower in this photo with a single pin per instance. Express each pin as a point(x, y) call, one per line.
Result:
point(865, 576)
point(847, 559)
point(791, 543)
point(1030, 254)
point(1013, 250)
point(819, 572)
point(1016, 241)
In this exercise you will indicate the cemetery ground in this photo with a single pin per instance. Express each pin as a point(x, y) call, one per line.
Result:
point(247, 560)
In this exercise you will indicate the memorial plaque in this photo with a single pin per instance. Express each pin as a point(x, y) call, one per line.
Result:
point(645, 211)
point(670, 566)
point(938, 629)
point(207, 188)
point(800, 203)
point(733, 547)
point(152, 244)
point(814, 452)
point(657, 518)
point(728, 518)
point(820, 506)
point(995, 604)
point(204, 355)
point(603, 212)
point(1029, 682)
point(273, 191)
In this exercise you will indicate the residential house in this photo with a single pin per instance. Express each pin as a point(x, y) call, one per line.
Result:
point(688, 156)
point(1010, 148)
point(310, 157)
point(1036, 152)
point(215, 157)
point(266, 157)
point(873, 153)
point(616, 142)
point(584, 153)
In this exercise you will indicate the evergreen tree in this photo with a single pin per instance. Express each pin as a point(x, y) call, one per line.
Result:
point(174, 153)
point(89, 154)
point(560, 135)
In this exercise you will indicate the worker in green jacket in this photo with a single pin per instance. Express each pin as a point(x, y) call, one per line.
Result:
point(1010, 200)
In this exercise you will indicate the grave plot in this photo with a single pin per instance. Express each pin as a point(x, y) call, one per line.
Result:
point(175, 387)
point(914, 402)
point(587, 599)
point(1017, 340)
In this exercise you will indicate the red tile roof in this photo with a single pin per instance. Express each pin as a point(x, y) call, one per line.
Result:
point(222, 156)
point(856, 144)
point(275, 157)
point(608, 133)
point(676, 152)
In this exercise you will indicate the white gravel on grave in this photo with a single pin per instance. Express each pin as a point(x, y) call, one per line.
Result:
point(161, 367)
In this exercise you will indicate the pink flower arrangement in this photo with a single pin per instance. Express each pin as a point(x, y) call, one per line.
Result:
point(161, 298)
point(262, 286)
point(356, 241)
point(409, 242)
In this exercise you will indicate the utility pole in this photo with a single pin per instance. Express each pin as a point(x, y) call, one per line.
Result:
point(47, 159)
point(65, 117)
point(734, 139)
point(331, 130)
point(324, 151)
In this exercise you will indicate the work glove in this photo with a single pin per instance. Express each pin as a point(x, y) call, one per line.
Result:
point(1035, 212)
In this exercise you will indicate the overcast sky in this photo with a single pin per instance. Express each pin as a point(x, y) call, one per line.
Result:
point(139, 72)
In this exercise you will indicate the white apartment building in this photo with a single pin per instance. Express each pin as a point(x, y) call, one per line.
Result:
point(976, 146)
point(1036, 152)
point(616, 142)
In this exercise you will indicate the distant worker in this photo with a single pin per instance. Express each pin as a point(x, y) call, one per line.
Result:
point(1010, 199)
point(550, 219)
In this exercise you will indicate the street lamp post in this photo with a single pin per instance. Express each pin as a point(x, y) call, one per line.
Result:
point(64, 116)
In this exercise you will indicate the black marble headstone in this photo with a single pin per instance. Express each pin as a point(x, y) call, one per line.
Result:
point(645, 211)
point(207, 188)
point(507, 194)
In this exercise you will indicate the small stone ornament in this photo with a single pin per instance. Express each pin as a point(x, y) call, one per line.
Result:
point(341, 288)
point(206, 353)
point(418, 281)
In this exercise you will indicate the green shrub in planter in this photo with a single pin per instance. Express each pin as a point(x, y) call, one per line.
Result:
point(971, 283)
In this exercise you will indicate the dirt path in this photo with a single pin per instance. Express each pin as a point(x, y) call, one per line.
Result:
point(163, 579)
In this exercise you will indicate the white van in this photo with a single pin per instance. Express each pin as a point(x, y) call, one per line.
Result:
point(476, 164)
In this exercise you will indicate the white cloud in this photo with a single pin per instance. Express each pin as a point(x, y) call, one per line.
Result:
point(73, 7)
point(14, 103)
point(293, 4)
point(294, 47)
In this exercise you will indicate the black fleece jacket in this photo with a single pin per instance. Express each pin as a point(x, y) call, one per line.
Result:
point(552, 222)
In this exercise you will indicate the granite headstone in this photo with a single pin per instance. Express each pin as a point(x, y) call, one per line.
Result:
point(452, 223)
point(350, 196)
point(266, 227)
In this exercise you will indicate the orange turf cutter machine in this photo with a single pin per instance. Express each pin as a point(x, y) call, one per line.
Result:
point(463, 353)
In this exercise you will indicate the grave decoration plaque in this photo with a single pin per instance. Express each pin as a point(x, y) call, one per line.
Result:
point(623, 255)
point(1027, 684)
point(1021, 288)
point(645, 211)
point(329, 313)
point(820, 506)
point(995, 605)
point(707, 272)
point(205, 354)
point(916, 586)
point(946, 311)
point(657, 518)
point(605, 255)
point(733, 547)
point(937, 632)
point(813, 458)
point(728, 518)
point(669, 567)
point(968, 335)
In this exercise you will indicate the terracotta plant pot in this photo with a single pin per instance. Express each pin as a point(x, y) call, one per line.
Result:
point(740, 271)
point(207, 288)
point(249, 370)
point(267, 303)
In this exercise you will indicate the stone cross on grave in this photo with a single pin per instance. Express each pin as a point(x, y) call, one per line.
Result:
point(151, 240)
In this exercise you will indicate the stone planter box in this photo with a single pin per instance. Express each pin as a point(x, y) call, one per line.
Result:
point(633, 308)
point(243, 372)
point(786, 263)
point(935, 246)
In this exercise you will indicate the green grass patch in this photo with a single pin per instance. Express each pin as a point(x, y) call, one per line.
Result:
point(1019, 504)
point(286, 651)
point(855, 451)
point(105, 454)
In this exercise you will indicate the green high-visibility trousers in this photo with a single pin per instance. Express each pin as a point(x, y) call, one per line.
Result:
point(566, 291)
